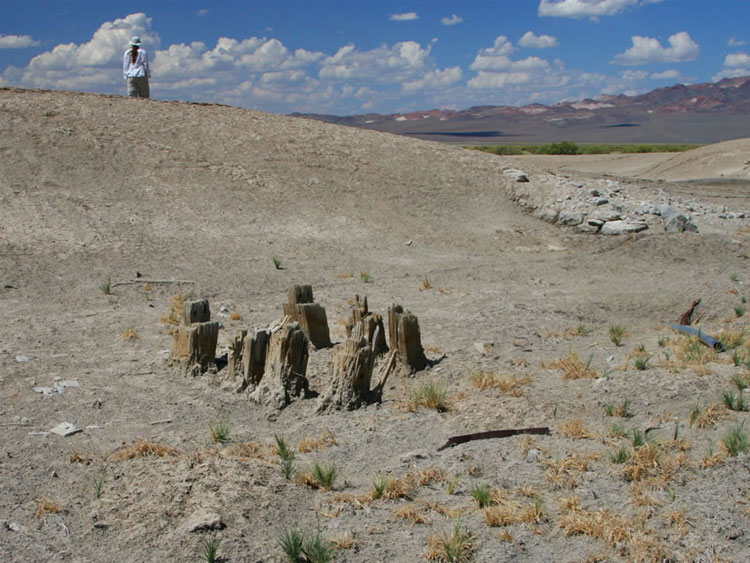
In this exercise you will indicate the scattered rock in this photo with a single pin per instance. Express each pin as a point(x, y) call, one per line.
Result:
point(203, 520)
point(65, 429)
point(675, 221)
point(517, 175)
point(622, 227)
point(22, 359)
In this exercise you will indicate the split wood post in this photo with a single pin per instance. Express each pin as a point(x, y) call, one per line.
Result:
point(285, 369)
point(196, 312)
point(311, 316)
point(353, 361)
point(234, 360)
point(194, 346)
point(255, 349)
point(374, 331)
point(404, 337)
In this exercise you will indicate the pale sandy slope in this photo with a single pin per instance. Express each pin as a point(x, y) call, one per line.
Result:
point(729, 160)
point(101, 187)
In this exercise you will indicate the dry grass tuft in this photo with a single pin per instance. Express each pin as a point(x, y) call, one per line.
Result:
point(47, 506)
point(235, 317)
point(427, 395)
point(573, 367)
point(708, 417)
point(430, 475)
point(456, 547)
point(690, 352)
point(573, 428)
point(78, 457)
point(326, 439)
point(508, 384)
point(143, 448)
point(174, 317)
point(129, 334)
point(566, 473)
point(653, 463)
point(346, 541)
point(411, 513)
point(247, 451)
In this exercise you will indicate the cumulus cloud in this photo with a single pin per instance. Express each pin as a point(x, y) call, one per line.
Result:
point(434, 80)
point(17, 41)
point(648, 50)
point(667, 74)
point(409, 16)
point(453, 20)
point(537, 41)
point(403, 61)
point(587, 8)
point(735, 60)
point(732, 42)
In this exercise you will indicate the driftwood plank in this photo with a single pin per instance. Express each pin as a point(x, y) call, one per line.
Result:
point(455, 440)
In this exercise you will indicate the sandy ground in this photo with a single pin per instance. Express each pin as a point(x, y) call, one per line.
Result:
point(98, 188)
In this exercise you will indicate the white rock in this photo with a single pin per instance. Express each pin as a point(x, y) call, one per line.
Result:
point(622, 228)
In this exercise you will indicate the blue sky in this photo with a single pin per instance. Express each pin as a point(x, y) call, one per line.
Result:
point(361, 56)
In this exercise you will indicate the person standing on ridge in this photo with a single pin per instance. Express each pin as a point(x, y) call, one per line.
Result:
point(136, 70)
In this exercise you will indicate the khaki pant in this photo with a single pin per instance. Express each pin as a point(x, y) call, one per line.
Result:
point(138, 87)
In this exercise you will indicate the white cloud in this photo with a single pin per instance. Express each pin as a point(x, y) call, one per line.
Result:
point(105, 48)
point(486, 79)
point(401, 62)
point(17, 41)
point(409, 16)
point(202, 13)
point(732, 42)
point(453, 20)
point(648, 50)
point(667, 74)
point(735, 60)
point(587, 8)
point(434, 80)
point(537, 41)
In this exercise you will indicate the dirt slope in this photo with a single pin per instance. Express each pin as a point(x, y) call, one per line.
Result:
point(96, 188)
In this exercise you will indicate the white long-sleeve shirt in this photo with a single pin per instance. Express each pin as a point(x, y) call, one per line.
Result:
point(138, 68)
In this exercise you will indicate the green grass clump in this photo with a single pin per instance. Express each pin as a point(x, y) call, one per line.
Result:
point(211, 548)
point(106, 287)
point(734, 401)
point(219, 431)
point(616, 334)
point(482, 494)
point(292, 542)
point(736, 440)
point(428, 395)
point(620, 455)
point(456, 547)
point(287, 455)
point(641, 363)
point(318, 549)
point(380, 485)
point(324, 475)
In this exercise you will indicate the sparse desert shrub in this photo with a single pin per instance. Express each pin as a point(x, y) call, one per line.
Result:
point(455, 547)
point(616, 334)
point(106, 287)
point(176, 308)
point(573, 368)
point(219, 431)
point(144, 448)
point(428, 395)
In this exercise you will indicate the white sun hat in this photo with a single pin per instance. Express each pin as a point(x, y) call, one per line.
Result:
point(135, 41)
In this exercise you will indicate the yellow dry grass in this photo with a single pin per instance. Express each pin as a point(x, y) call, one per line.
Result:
point(326, 439)
point(411, 513)
point(506, 384)
point(235, 317)
point(708, 417)
point(246, 451)
point(174, 317)
point(457, 546)
point(566, 472)
point(47, 506)
point(79, 457)
point(572, 367)
point(652, 463)
point(573, 428)
point(143, 448)
point(129, 334)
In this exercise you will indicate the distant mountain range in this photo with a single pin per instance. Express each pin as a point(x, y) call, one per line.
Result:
point(699, 113)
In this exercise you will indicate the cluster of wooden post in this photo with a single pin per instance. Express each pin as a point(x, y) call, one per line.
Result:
point(270, 364)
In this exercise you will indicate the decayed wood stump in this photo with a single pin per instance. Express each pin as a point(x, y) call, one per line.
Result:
point(311, 316)
point(194, 346)
point(285, 368)
point(255, 349)
point(234, 358)
point(353, 361)
point(404, 337)
point(374, 331)
point(196, 312)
